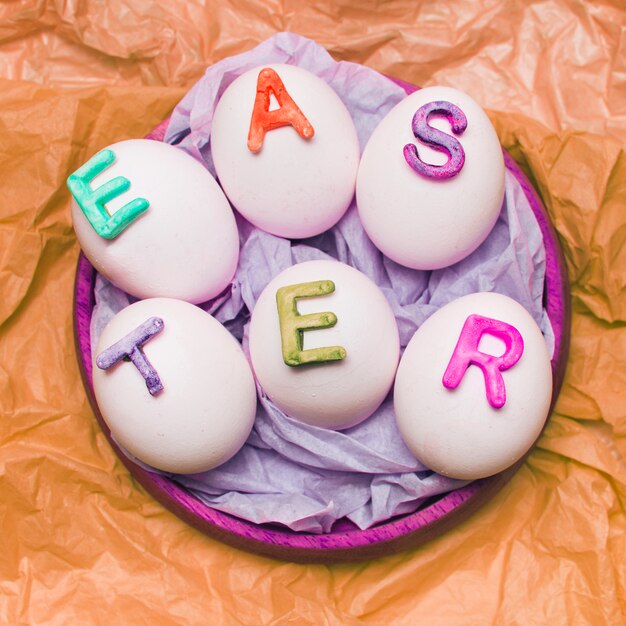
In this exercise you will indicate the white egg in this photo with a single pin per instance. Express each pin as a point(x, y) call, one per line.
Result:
point(205, 411)
point(425, 222)
point(185, 245)
point(336, 394)
point(293, 186)
point(456, 431)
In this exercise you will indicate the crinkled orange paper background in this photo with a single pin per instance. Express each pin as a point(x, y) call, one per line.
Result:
point(81, 543)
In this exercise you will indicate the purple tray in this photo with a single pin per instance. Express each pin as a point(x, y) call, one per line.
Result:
point(344, 543)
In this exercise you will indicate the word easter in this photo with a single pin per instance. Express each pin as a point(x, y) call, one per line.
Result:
point(429, 187)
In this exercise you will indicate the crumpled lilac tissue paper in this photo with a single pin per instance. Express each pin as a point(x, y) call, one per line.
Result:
point(290, 473)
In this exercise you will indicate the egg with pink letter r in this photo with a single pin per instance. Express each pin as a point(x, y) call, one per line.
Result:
point(474, 386)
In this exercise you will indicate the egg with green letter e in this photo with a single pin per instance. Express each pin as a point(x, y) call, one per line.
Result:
point(324, 344)
point(154, 222)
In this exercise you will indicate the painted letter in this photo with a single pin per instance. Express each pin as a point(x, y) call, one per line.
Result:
point(263, 119)
point(466, 353)
point(293, 325)
point(438, 140)
point(92, 201)
point(130, 346)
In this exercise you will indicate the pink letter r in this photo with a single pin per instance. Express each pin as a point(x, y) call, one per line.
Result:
point(466, 353)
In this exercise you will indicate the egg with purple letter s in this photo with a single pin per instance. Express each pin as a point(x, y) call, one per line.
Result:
point(430, 184)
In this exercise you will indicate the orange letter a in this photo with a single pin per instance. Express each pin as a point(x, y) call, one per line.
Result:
point(263, 119)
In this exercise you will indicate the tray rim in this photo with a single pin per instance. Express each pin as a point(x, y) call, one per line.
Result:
point(397, 534)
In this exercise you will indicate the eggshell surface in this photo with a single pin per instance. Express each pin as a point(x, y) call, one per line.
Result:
point(421, 222)
point(185, 245)
point(293, 187)
point(456, 432)
point(206, 409)
point(337, 394)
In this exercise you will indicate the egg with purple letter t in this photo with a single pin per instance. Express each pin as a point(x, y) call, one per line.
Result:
point(173, 386)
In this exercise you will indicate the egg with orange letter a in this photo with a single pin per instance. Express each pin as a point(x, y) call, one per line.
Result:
point(285, 150)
